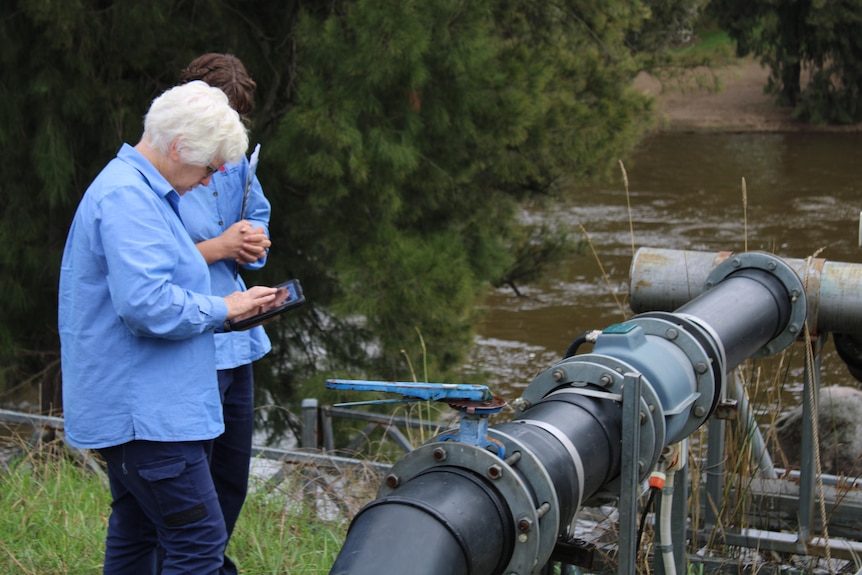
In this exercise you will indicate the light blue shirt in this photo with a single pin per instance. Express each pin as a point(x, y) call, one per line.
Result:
point(207, 212)
point(136, 319)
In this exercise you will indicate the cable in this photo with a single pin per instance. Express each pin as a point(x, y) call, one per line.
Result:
point(644, 513)
point(588, 336)
point(665, 526)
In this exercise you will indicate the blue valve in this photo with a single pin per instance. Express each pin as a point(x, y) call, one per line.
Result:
point(475, 403)
point(412, 391)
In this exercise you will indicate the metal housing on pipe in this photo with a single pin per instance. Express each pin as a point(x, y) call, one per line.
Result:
point(564, 446)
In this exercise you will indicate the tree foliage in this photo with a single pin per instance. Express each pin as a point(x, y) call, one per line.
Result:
point(399, 139)
point(667, 23)
point(813, 49)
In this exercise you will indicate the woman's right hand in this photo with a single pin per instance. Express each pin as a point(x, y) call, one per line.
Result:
point(242, 302)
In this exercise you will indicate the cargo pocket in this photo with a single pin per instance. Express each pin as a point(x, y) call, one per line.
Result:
point(174, 490)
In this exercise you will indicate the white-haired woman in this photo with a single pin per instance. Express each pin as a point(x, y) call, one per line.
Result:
point(136, 321)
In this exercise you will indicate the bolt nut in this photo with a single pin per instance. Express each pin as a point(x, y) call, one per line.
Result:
point(439, 454)
point(606, 380)
point(392, 481)
point(700, 367)
point(699, 411)
point(495, 471)
point(558, 375)
point(525, 524)
point(520, 404)
point(671, 334)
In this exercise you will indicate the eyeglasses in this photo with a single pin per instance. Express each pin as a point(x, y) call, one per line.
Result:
point(210, 170)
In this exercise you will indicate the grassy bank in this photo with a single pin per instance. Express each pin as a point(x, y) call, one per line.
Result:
point(54, 516)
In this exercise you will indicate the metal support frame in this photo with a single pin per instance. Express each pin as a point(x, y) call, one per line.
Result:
point(714, 470)
point(629, 473)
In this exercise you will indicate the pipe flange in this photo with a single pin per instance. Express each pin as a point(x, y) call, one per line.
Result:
point(777, 267)
point(588, 373)
point(543, 488)
point(653, 426)
point(690, 338)
point(503, 478)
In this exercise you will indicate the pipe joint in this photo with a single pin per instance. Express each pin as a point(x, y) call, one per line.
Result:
point(791, 326)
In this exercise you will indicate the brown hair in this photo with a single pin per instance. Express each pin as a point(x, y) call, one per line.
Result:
point(227, 72)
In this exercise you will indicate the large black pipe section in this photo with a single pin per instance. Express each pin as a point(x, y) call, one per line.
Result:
point(767, 311)
point(432, 523)
point(444, 520)
point(457, 508)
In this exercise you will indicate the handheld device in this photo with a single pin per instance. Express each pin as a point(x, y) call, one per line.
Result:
point(289, 296)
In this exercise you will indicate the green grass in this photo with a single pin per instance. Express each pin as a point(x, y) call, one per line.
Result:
point(54, 516)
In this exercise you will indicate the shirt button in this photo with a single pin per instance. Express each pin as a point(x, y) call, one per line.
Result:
point(221, 223)
point(215, 194)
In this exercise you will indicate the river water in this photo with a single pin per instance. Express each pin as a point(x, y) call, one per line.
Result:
point(803, 196)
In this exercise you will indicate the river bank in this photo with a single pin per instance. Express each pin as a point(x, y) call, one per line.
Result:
point(724, 99)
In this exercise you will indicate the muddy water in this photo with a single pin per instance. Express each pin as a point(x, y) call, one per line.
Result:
point(685, 191)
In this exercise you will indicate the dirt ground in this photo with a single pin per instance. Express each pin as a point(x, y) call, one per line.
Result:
point(728, 99)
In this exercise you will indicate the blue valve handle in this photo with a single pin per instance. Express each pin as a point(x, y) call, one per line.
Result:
point(475, 403)
point(413, 390)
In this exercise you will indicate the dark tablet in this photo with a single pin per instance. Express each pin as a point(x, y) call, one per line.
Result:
point(288, 296)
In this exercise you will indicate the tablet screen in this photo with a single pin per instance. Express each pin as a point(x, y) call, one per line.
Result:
point(288, 296)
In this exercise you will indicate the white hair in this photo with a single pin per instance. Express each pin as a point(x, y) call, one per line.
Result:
point(202, 122)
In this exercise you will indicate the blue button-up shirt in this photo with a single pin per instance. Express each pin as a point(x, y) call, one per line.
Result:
point(136, 319)
point(207, 212)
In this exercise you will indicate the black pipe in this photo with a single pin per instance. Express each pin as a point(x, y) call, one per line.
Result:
point(446, 520)
point(441, 523)
point(451, 520)
point(745, 311)
point(590, 425)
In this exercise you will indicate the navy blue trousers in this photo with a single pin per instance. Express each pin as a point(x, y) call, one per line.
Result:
point(163, 496)
point(231, 453)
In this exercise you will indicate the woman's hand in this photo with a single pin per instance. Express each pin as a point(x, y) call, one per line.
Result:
point(243, 302)
point(254, 244)
point(241, 243)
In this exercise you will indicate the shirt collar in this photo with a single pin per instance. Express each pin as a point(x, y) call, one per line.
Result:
point(155, 180)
